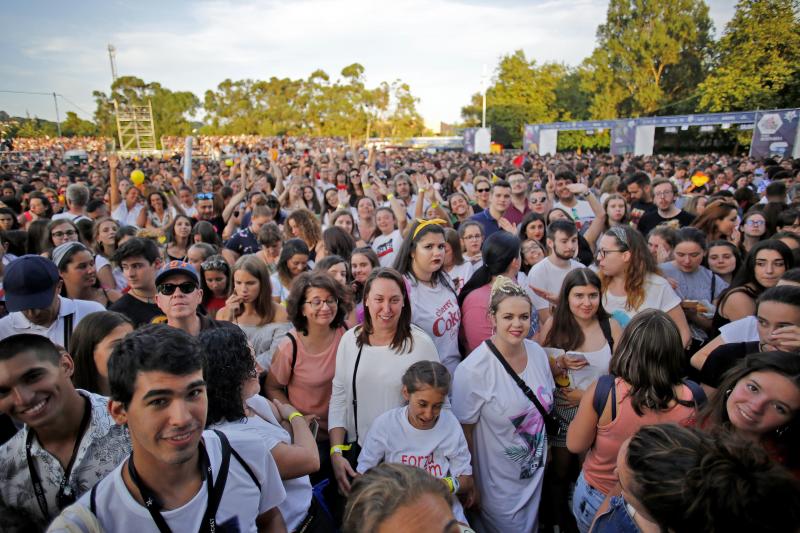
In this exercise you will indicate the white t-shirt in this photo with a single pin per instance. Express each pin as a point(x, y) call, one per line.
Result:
point(658, 294)
point(742, 330)
point(386, 246)
point(582, 213)
point(378, 383)
point(16, 323)
point(436, 311)
point(460, 275)
point(510, 442)
point(441, 451)
point(265, 427)
point(278, 290)
point(241, 502)
point(547, 276)
point(125, 217)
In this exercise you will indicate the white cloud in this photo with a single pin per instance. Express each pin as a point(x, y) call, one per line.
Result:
point(438, 46)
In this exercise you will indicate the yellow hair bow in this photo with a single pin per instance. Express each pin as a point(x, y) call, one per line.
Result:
point(422, 223)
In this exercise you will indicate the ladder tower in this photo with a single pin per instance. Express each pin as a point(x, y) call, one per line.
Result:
point(136, 128)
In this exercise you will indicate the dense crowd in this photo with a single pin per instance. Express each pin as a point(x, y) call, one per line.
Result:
point(306, 335)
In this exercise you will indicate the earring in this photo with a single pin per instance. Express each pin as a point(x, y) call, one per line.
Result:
point(728, 392)
point(780, 431)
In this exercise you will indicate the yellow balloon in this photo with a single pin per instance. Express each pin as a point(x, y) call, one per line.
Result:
point(229, 162)
point(137, 177)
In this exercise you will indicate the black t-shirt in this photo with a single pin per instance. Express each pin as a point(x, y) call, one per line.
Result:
point(243, 242)
point(652, 219)
point(723, 359)
point(139, 312)
point(218, 222)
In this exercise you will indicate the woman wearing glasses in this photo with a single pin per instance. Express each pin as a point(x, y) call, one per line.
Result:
point(252, 308)
point(370, 362)
point(471, 234)
point(632, 282)
point(61, 231)
point(433, 298)
point(482, 192)
point(754, 229)
point(301, 372)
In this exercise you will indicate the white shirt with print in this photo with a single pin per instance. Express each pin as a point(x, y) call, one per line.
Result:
point(658, 294)
point(436, 311)
point(386, 246)
point(510, 442)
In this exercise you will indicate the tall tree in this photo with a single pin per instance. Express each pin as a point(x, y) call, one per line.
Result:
point(171, 110)
point(649, 54)
point(758, 59)
point(74, 125)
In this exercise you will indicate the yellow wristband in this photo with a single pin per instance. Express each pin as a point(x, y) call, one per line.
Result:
point(434, 205)
point(449, 482)
point(366, 185)
point(339, 448)
point(421, 190)
point(294, 415)
point(390, 196)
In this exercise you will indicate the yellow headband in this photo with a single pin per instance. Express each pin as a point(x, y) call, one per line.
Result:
point(423, 223)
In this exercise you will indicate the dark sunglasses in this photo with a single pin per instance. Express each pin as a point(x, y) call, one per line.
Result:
point(168, 289)
point(482, 190)
point(204, 196)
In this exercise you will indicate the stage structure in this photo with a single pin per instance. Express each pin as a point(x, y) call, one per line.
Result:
point(775, 131)
point(136, 129)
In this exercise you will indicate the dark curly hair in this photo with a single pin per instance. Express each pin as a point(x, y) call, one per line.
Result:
point(230, 365)
point(318, 280)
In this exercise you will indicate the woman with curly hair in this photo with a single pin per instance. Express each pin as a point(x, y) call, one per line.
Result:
point(302, 224)
point(234, 404)
point(632, 282)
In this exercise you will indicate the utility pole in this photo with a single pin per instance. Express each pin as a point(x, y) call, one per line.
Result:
point(484, 80)
point(58, 120)
point(111, 54)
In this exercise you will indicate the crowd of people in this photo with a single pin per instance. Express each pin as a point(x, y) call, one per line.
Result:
point(307, 335)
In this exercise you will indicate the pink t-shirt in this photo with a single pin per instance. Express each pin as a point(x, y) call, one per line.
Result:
point(598, 468)
point(475, 324)
point(312, 381)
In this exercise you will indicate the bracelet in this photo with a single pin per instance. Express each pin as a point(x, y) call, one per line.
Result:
point(341, 206)
point(434, 205)
point(366, 185)
point(390, 196)
point(294, 415)
point(339, 448)
point(421, 190)
point(452, 483)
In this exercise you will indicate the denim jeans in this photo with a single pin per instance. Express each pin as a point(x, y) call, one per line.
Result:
point(586, 500)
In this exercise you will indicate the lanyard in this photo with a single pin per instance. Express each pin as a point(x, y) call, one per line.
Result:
point(65, 495)
point(153, 504)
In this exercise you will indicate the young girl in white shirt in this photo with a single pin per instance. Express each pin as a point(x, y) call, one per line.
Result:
point(421, 434)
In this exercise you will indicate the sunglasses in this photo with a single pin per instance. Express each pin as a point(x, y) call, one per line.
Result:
point(482, 190)
point(204, 196)
point(168, 289)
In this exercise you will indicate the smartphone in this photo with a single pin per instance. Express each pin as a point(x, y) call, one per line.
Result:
point(314, 427)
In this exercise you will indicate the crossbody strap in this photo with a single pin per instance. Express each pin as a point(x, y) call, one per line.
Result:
point(68, 320)
point(526, 390)
point(355, 396)
point(605, 325)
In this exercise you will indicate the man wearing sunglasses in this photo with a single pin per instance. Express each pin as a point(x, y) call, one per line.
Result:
point(178, 295)
point(519, 196)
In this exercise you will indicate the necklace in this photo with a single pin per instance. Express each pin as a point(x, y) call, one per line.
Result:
point(133, 292)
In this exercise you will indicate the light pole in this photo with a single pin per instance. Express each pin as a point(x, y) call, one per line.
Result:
point(484, 80)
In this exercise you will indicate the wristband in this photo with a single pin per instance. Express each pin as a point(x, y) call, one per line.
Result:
point(341, 206)
point(366, 185)
point(452, 483)
point(339, 448)
point(294, 415)
point(390, 196)
point(421, 190)
point(434, 205)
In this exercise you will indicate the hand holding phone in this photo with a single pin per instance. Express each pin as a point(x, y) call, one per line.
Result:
point(575, 360)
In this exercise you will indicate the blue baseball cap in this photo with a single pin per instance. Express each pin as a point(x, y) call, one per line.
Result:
point(29, 283)
point(177, 267)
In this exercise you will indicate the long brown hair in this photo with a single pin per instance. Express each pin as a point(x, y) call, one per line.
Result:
point(566, 333)
point(403, 340)
point(264, 304)
point(712, 214)
point(640, 265)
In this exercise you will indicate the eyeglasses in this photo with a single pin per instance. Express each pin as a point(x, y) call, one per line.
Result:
point(601, 254)
point(316, 303)
point(482, 190)
point(204, 196)
point(471, 237)
point(538, 200)
point(68, 233)
point(213, 264)
point(754, 223)
point(168, 289)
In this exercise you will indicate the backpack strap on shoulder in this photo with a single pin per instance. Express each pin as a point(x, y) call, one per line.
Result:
point(698, 393)
point(605, 385)
point(294, 351)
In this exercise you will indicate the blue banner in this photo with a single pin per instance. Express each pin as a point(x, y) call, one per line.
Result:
point(623, 137)
point(774, 133)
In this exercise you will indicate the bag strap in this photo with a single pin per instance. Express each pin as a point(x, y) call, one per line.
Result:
point(698, 393)
point(355, 397)
point(68, 320)
point(93, 499)
point(713, 286)
point(294, 352)
point(605, 325)
point(605, 385)
point(215, 497)
point(526, 390)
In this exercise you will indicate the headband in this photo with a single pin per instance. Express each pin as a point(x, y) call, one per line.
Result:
point(423, 223)
point(619, 233)
point(60, 251)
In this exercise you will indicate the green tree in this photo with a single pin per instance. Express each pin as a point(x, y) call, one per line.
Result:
point(521, 93)
point(758, 59)
point(74, 125)
point(171, 110)
point(650, 54)
point(404, 120)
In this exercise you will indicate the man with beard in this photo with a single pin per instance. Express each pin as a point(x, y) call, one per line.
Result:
point(546, 277)
point(665, 193)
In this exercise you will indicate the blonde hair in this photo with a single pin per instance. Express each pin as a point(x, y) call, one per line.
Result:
point(503, 288)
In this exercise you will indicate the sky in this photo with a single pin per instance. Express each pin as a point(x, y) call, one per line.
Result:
point(441, 48)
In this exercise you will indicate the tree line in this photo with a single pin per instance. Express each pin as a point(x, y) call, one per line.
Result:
point(652, 58)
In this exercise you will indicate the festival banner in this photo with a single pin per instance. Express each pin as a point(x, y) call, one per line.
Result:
point(774, 134)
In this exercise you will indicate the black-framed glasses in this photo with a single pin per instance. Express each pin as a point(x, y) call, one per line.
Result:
point(601, 254)
point(67, 233)
point(482, 190)
point(204, 196)
point(168, 289)
point(316, 303)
